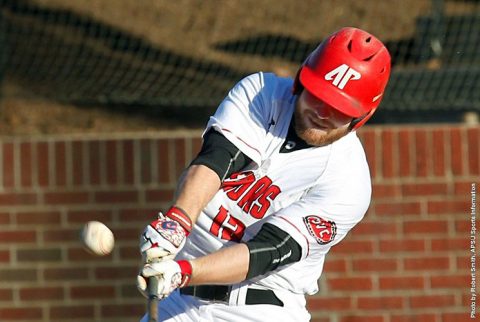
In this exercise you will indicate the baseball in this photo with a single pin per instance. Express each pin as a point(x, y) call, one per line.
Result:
point(97, 238)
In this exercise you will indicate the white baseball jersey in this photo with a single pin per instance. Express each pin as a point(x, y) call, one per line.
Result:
point(315, 194)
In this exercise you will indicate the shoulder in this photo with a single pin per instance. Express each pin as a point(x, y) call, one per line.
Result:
point(347, 176)
point(268, 84)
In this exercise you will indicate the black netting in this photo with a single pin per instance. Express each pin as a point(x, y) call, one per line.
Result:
point(67, 56)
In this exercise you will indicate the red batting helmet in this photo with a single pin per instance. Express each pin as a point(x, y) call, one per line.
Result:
point(349, 71)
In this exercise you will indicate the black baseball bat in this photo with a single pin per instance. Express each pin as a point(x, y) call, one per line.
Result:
point(152, 299)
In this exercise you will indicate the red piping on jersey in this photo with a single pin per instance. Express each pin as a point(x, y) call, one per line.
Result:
point(251, 147)
point(306, 239)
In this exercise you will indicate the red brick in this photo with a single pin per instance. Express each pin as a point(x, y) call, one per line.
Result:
point(116, 197)
point(374, 265)
point(78, 166)
point(163, 156)
point(17, 199)
point(138, 215)
point(180, 159)
point(427, 263)
point(123, 311)
point(359, 318)
point(407, 245)
point(128, 162)
point(82, 216)
point(71, 312)
point(14, 314)
point(473, 151)
point(422, 153)
point(128, 252)
point(456, 152)
point(385, 191)
point(439, 147)
point(5, 218)
point(65, 274)
point(350, 283)
point(43, 164)
point(368, 140)
point(4, 256)
point(60, 164)
point(9, 162)
point(92, 292)
point(356, 247)
point(159, 195)
point(381, 303)
point(14, 275)
point(458, 317)
point(388, 158)
point(447, 207)
point(425, 227)
point(401, 282)
point(60, 235)
point(333, 266)
point(117, 272)
point(146, 161)
point(26, 179)
point(95, 166)
point(318, 303)
point(18, 236)
point(397, 208)
point(465, 226)
point(78, 254)
point(58, 198)
point(450, 244)
point(425, 301)
point(37, 255)
point(38, 217)
point(111, 162)
point(405, 146)
point(375, 228)
point(463, 262)
point(463, 188)
point(420, 317)
point(196, 146)
point(449, 281)
point(131, 233)
point(424, 189)
point(6, 295)
point(41, 293)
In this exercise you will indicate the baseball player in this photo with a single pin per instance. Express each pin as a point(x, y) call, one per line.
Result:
point(280, 179)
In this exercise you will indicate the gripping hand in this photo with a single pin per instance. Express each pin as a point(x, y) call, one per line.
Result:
point(170, 274)
point(164, 238)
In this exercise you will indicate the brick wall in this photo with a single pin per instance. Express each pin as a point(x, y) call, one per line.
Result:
point(409, 260)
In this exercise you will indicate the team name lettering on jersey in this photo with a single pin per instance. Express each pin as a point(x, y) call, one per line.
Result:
point(253, 196)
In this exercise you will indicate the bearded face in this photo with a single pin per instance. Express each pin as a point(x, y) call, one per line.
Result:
point(317, 123)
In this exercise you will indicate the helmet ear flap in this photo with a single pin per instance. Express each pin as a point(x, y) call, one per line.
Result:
point(359, 121)
point(297, 87)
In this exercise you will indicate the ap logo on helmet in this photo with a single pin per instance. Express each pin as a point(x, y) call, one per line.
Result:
point(342, 74)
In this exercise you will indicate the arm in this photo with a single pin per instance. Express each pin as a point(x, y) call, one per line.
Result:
point(269, 249)
point(196, 188)
point(226, 266)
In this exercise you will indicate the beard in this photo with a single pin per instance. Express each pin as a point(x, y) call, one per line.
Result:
point(315, 136)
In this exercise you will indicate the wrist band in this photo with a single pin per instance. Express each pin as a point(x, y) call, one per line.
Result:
point(180, 216)
point(186, 270)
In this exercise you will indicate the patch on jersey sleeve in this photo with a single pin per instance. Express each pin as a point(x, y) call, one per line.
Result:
point(324, 231)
